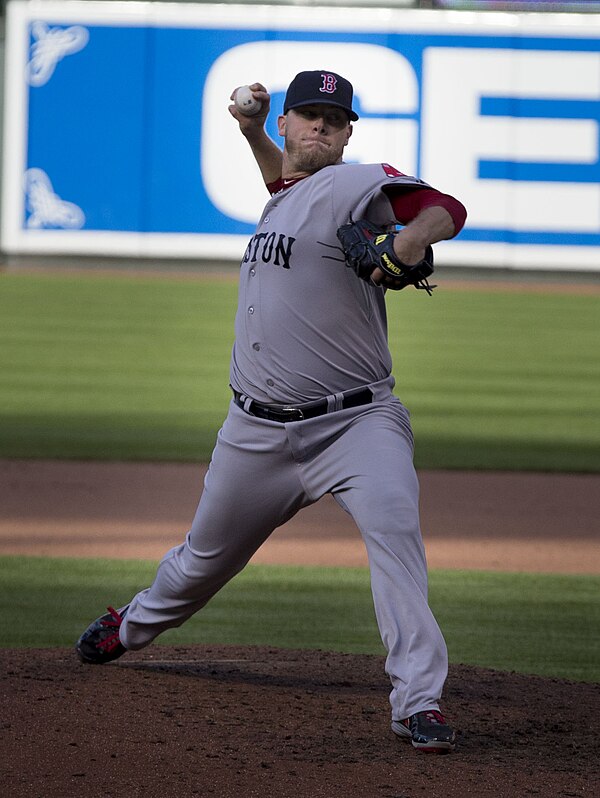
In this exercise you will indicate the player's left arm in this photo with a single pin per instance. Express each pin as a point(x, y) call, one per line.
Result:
point(428, 216)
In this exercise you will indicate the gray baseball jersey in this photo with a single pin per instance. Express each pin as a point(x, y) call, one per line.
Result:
point(307, 328)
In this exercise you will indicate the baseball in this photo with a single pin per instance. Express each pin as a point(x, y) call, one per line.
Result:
point(245, 102)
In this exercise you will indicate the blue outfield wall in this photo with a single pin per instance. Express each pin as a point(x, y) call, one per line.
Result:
point(117, 138)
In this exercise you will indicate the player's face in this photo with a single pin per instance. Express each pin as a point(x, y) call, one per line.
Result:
point(315, 136)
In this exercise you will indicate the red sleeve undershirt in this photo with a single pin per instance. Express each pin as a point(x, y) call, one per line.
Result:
point(408, 203)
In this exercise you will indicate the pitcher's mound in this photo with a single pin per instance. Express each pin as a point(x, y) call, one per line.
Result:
point(231, 722)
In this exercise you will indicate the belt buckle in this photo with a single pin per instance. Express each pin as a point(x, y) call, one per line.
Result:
point(297, 414)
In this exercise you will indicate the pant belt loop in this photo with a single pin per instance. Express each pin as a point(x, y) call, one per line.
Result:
point(339, 401)
point(247, 402)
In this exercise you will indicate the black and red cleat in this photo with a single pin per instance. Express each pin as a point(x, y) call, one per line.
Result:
point(427, 731)
point(100, 642)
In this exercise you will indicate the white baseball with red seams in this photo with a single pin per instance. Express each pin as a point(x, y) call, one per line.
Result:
point(245, 102)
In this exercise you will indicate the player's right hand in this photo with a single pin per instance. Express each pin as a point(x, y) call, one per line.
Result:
point(250, 124)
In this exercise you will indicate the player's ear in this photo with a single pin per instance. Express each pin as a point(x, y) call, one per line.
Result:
point(281, 120)
point(349, 133)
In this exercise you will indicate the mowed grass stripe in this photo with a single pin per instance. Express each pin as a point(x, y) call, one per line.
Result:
point(530, 623)
point(137, 367)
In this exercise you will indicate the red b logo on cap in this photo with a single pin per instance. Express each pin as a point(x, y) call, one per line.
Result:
point(329, 83)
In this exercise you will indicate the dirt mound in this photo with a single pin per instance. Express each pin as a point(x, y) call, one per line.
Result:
point(226, 721)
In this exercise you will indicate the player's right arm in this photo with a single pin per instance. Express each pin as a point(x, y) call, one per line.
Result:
point(267, 154)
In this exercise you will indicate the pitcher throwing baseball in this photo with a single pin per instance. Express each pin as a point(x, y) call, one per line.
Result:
point(312, 410)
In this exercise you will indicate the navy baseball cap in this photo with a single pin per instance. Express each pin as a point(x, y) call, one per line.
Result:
point(320, 88)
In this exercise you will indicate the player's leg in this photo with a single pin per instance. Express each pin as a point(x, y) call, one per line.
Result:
point(251, 487)
point(371, 469)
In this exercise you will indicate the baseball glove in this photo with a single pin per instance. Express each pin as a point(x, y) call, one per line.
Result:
point(367, 247)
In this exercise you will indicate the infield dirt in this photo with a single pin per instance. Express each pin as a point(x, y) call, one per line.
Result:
point(235, 723)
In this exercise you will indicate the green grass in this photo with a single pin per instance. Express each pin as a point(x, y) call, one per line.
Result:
point(113, 368)
point(135, 367)
point(529, 623)
point(500, 379)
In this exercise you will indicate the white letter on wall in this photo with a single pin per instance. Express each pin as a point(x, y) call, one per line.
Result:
point(456, 136)
point(382, 78)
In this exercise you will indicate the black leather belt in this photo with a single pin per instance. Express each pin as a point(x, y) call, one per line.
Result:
point(285, 413)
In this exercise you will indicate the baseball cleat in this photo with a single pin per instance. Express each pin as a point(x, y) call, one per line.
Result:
point(427, 731)
point(100, 642)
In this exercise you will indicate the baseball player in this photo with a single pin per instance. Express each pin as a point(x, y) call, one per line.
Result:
point(312, 409)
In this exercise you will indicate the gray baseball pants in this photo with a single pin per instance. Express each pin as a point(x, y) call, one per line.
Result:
point(263, 472)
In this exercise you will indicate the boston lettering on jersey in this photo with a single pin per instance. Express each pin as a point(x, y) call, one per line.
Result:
point(273, 248)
